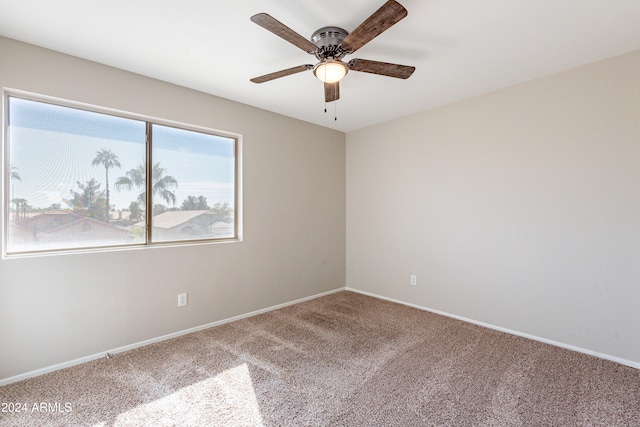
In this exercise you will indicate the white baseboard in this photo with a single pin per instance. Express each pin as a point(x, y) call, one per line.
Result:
point(85, 359)
point(89, 358)
point(508, 331)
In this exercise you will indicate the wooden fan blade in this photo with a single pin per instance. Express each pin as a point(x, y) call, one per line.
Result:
point(279, 29)
point(381, 68)
point(282, 73)
point(331, 92)
point(388, 15)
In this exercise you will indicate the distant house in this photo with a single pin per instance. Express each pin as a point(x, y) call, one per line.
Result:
point(85, 229)
point(197, 224)
point(223, 228)
point(121, 215)
point(41, 222)
point(62, 228)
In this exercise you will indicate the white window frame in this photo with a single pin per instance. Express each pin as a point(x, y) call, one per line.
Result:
point(149, 120)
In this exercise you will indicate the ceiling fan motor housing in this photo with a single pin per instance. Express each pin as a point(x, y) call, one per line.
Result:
point(328, 40)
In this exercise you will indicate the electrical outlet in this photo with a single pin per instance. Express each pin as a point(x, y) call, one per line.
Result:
point(414, 280)
point(182, 299)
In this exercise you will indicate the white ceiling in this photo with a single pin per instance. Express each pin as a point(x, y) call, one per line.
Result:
point(460, 48)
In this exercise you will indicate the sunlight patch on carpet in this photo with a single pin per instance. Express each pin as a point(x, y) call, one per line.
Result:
point(226, 399)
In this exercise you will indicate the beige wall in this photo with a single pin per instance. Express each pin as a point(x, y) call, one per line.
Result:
point(519, 208)
point(58, 308)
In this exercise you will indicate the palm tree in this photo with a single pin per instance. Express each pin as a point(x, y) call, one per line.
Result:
point(108, 160)
point(161, 183)
point(14, 173)
point(21, 207)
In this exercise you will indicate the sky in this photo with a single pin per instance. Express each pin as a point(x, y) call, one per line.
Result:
point(52, 148)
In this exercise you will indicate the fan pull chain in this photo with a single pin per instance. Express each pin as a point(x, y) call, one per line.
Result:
point(335, 110)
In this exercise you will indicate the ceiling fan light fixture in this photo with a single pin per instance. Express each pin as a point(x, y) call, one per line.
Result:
point(330, 71)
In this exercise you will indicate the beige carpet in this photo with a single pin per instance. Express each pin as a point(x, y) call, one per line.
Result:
point(341, 360)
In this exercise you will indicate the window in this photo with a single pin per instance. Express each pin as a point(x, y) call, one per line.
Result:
point(79, 178)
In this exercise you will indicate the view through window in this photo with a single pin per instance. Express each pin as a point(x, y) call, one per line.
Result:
point(81, 179)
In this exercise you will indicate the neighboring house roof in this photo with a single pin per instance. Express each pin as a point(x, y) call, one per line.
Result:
point(49, 214)
point(222, 224)
point(171, 219)
point(31, 215)
point(95, 222)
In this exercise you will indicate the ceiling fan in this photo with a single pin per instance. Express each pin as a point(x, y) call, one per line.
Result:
point(331, 44)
